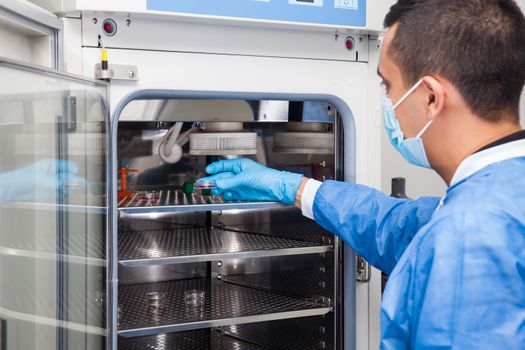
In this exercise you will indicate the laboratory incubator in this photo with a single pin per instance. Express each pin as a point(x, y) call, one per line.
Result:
point(139, 97)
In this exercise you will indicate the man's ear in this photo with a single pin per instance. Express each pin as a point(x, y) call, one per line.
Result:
point(435, 96)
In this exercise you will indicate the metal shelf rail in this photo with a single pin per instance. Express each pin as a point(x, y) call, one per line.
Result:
point(293, 283)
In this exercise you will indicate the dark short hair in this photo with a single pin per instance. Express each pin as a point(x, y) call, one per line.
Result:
point(477, 45)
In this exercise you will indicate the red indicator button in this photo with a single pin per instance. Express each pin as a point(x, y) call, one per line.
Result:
point(109, 27)
point(350, 43)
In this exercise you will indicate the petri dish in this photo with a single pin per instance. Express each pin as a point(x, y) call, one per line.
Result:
point(149, 196)
point(205, 184)
point(194, 297)
point(156, 299)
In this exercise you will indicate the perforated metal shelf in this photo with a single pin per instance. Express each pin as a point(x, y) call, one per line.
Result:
point(304, 333)
point(203, 339)
point(175, 201)
point(225, 304)
point(302, 284)
point(203, 244)
point(158, 198)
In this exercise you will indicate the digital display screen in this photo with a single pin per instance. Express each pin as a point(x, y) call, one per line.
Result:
point(346, 13)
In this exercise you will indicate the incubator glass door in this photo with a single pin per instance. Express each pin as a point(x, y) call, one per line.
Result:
point(53, 209)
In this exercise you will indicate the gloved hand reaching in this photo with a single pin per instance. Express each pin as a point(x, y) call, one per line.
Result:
point(243, 179)
point(41, 181)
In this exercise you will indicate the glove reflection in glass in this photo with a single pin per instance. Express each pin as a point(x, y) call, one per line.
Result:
point(41, 181)
point(245, 180)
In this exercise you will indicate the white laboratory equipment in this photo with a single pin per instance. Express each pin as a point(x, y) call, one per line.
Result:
point(291, 84)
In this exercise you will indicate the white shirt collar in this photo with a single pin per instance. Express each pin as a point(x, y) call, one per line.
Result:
point(480, 160)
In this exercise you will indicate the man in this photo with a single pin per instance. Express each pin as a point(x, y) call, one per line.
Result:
point(453, 71)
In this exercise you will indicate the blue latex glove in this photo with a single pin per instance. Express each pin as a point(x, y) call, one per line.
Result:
point(243, 179)
point(41, 181)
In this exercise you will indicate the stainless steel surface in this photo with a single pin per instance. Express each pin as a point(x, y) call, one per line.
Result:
point(302, 284)
point(307, 231)
point(181, 109)
point(302, 333)
point(166, 221)
point(161, 273)
point(286, 222)
point(274, 264)
point(226, 304)
point(219, 110)
point(192, 340)
point(203, 244)
point(252, 245)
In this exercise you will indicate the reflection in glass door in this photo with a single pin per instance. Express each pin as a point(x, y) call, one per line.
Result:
point(53, 210)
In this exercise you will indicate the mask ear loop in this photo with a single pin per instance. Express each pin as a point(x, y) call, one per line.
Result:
point(424, 129)
point(408, 93)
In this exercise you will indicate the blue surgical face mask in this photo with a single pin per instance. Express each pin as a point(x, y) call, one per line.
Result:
point(411, 149)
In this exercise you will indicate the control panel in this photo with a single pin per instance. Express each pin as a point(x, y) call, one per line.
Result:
point(342, 13)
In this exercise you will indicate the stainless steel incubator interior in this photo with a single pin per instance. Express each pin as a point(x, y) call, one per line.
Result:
point(271, 278)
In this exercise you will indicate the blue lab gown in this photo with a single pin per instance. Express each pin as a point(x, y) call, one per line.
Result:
point(457, 274)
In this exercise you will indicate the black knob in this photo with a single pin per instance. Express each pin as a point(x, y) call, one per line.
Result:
point(399, 187)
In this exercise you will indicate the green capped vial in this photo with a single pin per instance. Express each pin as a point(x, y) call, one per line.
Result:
point(187, 188)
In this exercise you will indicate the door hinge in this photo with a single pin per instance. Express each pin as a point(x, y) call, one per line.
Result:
point(117, 72)
point(363, 270)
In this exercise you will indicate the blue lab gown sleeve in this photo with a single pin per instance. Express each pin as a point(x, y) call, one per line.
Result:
point(376, 226)
point(462, 286)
